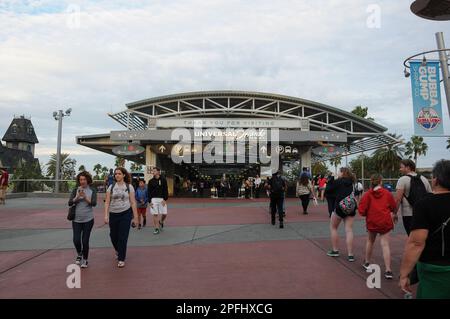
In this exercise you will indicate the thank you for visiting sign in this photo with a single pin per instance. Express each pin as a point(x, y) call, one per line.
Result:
point(426, 98)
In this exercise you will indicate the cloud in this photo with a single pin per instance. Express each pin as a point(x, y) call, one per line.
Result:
point(124, 51)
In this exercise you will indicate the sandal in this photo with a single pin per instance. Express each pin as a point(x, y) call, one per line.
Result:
point(121, 264)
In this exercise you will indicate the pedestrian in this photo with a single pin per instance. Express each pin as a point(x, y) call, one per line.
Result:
point(141, 203)
point(84, 196)
point(428, 244)
point(158, 195)
point(276, 186)
point(330, 195)
point(120, 211)
point(345, 210)
point(322, 185)
point(378, 206)
point(257, 186)
point(4, 181)
point(410, 189)
point(304, 191)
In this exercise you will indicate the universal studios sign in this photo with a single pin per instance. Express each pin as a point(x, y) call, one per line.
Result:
point(426, 96)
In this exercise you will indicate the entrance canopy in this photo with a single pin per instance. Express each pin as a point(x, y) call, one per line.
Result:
point(300, 121)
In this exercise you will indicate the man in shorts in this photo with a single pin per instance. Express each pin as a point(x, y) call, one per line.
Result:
point(157, 196)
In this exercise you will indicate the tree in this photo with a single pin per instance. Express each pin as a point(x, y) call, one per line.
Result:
point(448, 143)
point(335, 162)
point(416, 147)
point(136, 167)
point(105, 171)
point(120, 162)
point(97, 170)
point(387, 159)
point(369, 166)
point(362, 112)
point(67, 166)
point(319, 168)
point(81, 168)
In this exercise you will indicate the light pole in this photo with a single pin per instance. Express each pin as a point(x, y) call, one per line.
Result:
point(59, 117)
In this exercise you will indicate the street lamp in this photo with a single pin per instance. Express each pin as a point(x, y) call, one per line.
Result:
point(443, 59)
point(59, 117)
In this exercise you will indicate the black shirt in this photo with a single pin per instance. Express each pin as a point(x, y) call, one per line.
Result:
point(157, 187)
point(341, 188)
point(429, 213)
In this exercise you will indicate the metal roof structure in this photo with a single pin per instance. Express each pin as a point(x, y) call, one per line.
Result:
point(363, 134)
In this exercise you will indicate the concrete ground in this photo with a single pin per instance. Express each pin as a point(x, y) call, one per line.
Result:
point(209, 248)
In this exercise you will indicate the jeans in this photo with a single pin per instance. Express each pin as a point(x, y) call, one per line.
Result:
point(276, 203)
point(119, 229)
point(81, 235)
point(305, 202)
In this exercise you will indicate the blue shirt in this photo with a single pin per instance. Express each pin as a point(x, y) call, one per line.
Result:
point(141, 194)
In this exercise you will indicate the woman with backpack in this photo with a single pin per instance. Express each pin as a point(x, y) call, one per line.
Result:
point(428, 244)
point(345, 210)
point(304, 190)
point(378, 206)
point(85, 198)
point(120, 210)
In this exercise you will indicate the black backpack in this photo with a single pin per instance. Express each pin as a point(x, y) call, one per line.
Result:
point(114, 184)
point(417, 190)
point(277, 185)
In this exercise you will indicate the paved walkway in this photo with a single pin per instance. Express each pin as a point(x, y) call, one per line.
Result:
point(209, 248)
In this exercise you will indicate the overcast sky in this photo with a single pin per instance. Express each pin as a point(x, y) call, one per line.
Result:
point(95, 56)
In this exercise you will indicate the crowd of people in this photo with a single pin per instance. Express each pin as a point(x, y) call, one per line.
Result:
point(423, 207)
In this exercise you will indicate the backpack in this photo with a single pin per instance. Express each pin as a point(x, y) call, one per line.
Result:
point(277, 185)
point(348, 204)
point(114, 184)
point(417, 190)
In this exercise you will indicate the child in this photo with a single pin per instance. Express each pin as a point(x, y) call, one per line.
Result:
point(142, 202)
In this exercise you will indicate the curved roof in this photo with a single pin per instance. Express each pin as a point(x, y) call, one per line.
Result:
point(362, 134)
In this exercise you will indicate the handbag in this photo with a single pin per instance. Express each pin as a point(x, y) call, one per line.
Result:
point(348, 204)
point(71, 213)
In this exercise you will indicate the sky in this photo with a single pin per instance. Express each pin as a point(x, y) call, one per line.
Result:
point(96, 56)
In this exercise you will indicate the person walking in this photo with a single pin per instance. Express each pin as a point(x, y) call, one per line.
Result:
point(330, 195)
point(85, 198)
point(276, 186)
point(120, 211)
point(304, 191)
point(378, 206)
point(322, 185)
point(142, 203)
point(158, 194)
point(257, 184)
point(428, 244)
point(410, 189)
point(343, 188)
point(4, 181)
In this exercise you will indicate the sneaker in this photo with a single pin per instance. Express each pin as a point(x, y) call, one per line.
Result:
point(156, 231)
point(78, 260)
point(366, 266)
point(121, 264)
point(139, 226)
point(388, 275)
point(84, 263)
point(351, 258)
point(281, 225)
point(333, 253)
point(161, 224)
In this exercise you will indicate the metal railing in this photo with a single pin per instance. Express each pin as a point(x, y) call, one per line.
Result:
point(46, 185)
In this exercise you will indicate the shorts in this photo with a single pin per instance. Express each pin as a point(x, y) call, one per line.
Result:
point(342, 214)
point(158, 208)
point(142, 211)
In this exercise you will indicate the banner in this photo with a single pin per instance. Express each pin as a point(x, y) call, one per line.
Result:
point(426, 94)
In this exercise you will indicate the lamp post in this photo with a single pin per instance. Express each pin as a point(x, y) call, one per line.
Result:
point(59, 117)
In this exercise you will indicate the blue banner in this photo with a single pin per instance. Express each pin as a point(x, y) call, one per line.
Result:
point(426, 93)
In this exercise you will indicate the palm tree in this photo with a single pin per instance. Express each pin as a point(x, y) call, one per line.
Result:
point(97, 170)
point(67, 166)
point(105, 171)
point(448, 143)
point(336, 162)
point(81, 168)
point(135, 167)
point(120, 162)
point(388, 158)
point(416, 147)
